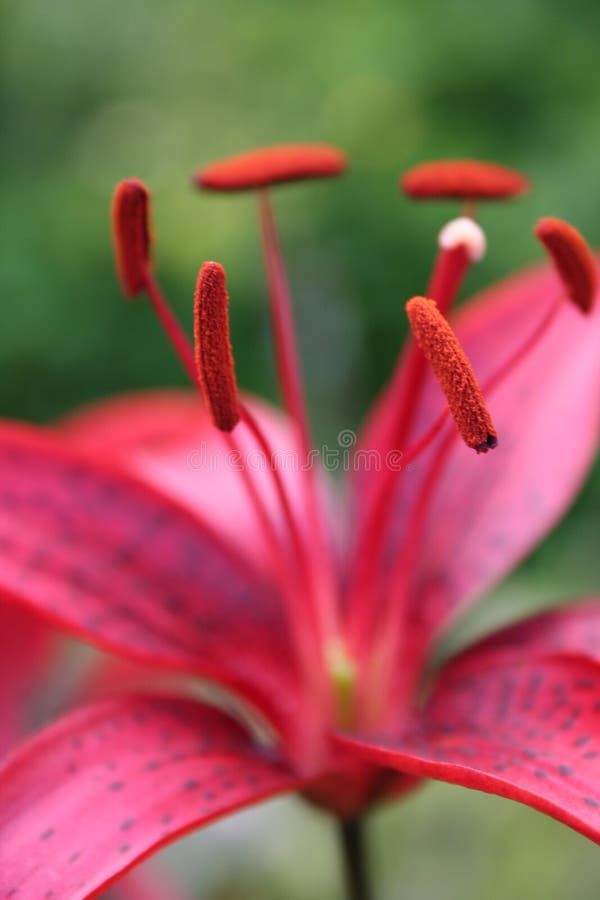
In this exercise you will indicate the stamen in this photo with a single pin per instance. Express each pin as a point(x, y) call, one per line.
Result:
point(454, 373)
point(259, 169)
point(573, 259)
point(272, 165)
point(462, 179)
point(131, 235)
point(461, 242)
point(214, 358)
point(215, 370)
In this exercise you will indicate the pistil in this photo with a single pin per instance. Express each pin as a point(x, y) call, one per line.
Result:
point(461, 243)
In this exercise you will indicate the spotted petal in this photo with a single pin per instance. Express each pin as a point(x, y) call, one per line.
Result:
point(529, 732)
point(115, 781)
point(106, 557)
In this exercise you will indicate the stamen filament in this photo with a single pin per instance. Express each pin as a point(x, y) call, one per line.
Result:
point(172, 328)
point(288, 363)
point(290, 379)
point(307, 648)
point(266, 448)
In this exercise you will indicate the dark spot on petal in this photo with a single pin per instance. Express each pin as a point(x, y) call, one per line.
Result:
point(116, 786)
point(591, 802)
point(565, 770)
point(126, 824)
point(173, 604)
point(585, 684)
point(124, 848)
point(46, 834)
point(74, 857)
point(191, 784)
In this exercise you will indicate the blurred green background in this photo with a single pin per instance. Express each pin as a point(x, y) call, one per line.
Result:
point(96, 90)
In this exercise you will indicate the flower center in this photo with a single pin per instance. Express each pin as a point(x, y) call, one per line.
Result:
point(346, 665)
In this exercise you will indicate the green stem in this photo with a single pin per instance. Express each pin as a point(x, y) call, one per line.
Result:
point(354, 859)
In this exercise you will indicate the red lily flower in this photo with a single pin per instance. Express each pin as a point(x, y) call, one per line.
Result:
point(324, 633)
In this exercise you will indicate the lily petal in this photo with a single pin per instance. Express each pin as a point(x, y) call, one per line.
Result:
point(487, 513)
point(167, 438)
point(530, 732)
point(114, 562)
point(572, 630)
point(115, 781)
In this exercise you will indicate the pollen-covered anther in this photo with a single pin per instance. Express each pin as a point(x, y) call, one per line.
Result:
point(462, 179)
point(272, 165)
point(464, 232)
point(454, 373)
point(214, 357)
point(573, 259)
point(132, 235)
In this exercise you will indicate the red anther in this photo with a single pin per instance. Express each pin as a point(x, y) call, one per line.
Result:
point(214, 358)
point(573, 259)
point(272, 165)
point(454, 373)
point(462, 179)
point(131, 235)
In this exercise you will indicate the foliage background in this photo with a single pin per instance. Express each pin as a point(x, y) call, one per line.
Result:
point(96, 90)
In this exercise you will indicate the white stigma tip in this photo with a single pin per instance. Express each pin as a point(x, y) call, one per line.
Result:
point(464, 231)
